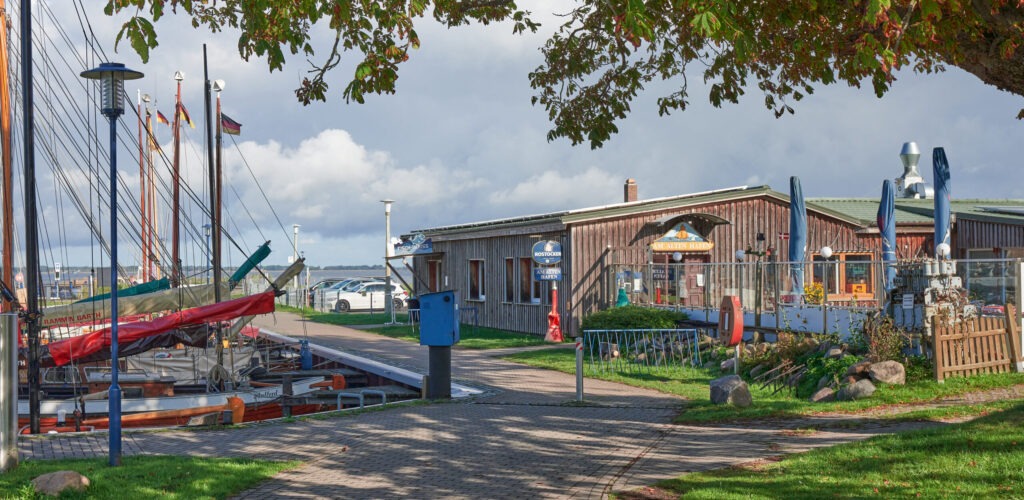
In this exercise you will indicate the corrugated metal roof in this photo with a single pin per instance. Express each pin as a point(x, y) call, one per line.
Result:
point(921, 211)
point(857, 211)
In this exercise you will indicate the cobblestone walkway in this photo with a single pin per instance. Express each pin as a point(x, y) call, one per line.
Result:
point(520, 441)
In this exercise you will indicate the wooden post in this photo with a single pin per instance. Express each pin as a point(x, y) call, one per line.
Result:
point(1014, 340)
point(937, 349)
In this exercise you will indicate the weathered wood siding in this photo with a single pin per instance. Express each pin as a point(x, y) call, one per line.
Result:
point(625, 240)
point(973, 234)
point(494, 312)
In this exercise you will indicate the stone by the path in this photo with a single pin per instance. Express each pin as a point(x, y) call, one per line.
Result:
point(858, 390)
point(888, 372)
point(858, 368)
point(823, 395)
point(731, 389)
point(56, 482)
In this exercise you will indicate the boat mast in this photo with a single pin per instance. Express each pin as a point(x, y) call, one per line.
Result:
point(142, 181)
point(5, 150)
point(176, 182)
point(31, 219)
point(214, 201)
point(152, 244)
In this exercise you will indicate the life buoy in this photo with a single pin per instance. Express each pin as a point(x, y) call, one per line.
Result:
point(730, 320)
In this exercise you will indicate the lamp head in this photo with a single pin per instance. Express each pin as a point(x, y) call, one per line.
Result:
point(826, 252)
point(111, 77)
point(677, 256)
point(740, 255)
point(387, 205)
point(942, 251)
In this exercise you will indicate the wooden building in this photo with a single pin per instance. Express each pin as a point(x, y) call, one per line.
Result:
point(489, 263)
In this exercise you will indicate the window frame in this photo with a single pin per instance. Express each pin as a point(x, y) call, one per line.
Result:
point(529, 288)
point(510, 280)
point(477, 280)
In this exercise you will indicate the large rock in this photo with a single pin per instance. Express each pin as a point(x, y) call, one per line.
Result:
point(834, 352)
point(56, 482)
point(730, 389)
point(858, 390)
point(888, 372)
point(728, 365)
point(824, 395)
point(857, 369)
point(758, 370)
point(824, 381)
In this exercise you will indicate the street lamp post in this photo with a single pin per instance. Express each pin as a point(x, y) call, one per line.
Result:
point(295, 258)
point(112, 77)
point(389, 308)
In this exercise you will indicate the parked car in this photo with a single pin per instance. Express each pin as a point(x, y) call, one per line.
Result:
point(329, 295)
point(370, 296)
point(320, 285)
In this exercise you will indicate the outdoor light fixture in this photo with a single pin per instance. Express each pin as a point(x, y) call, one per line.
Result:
point(826, 252)
point(942, 250)
point(112, 77)
point(389, 307)
point(677, 256)
point(740, 255)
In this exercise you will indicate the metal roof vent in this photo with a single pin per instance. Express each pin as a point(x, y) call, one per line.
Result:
point(911, 184)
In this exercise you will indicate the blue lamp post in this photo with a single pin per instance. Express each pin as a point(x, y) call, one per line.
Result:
point(112, 77)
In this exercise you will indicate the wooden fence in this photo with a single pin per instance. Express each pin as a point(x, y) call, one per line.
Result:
point(979, 345)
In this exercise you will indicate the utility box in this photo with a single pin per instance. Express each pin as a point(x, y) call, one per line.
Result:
point(439, 319)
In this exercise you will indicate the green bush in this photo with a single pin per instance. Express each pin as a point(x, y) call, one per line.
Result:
point(632, 317)
point(819, 366)
point(879, 338)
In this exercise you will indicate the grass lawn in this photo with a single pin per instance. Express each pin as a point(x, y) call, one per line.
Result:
point(692, 384)
point(469, 337)
point(346, 319)
point(983, 458)
point(162, 477)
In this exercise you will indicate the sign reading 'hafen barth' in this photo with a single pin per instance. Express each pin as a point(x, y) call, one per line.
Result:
point(547, 252)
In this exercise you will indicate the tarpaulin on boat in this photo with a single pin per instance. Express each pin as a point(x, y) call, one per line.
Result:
point(98, 311)
point(144, 288)
point(64, 351)
point(194, 336)
point(261, 253)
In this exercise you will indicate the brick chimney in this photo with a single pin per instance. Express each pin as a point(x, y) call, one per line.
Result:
point(629, 191)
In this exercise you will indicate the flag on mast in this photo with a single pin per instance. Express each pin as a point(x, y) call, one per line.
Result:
point(230, 126)
point(160, 118)
point(184, 115)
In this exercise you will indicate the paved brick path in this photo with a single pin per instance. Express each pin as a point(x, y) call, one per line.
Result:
point(521, 441)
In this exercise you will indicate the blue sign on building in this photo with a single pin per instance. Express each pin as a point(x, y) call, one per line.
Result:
point(547, 252)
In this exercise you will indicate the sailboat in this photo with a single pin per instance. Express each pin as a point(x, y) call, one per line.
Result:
point(67, 345)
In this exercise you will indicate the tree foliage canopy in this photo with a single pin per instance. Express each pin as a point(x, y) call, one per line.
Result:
point(606, 51)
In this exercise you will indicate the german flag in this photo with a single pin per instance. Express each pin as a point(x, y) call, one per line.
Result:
point(229, 126)
point(160, 118)
point(184, 115)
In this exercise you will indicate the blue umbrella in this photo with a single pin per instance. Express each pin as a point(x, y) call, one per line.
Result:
point(887, 228)
point(797, 233)
point(941, 169)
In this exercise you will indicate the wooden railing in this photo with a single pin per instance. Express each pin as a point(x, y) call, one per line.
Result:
point(978, 345)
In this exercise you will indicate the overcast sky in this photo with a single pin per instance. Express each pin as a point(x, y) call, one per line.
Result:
point(460, 141)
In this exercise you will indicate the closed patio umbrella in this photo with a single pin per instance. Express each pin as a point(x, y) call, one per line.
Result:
point(941, 172)
point(797, 233)
point(887, 229)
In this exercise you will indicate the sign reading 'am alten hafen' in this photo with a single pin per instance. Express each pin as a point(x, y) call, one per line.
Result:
point(547, 252)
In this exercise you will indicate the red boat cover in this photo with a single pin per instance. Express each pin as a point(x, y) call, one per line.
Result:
point(76, 347)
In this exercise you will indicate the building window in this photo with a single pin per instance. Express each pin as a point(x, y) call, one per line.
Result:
point(848, 274)
point(476, 280)
point(434, 275)
point(529, 289)
point(510, 280)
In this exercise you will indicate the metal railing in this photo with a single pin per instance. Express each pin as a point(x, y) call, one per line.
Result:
point(835, 293)
point(640, 351)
